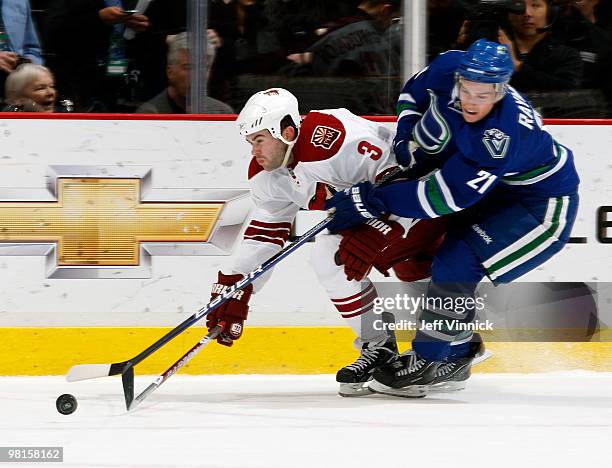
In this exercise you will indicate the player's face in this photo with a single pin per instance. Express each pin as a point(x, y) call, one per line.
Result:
point(477, 100)
point(268, 151)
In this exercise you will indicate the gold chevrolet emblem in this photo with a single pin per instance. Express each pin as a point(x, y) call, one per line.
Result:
point(102, 221)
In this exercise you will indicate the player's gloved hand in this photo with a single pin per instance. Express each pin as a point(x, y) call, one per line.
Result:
point(403, 155)
point(353, 206)
point(233, 311)
point(361, 247)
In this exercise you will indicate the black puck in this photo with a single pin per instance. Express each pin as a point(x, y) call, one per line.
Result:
point(66, 403)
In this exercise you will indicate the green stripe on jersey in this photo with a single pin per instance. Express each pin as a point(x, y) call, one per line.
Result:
point(436, 198)
point(405, 105)
point(547, 234)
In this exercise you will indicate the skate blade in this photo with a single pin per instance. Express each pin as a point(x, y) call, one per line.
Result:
point(456, 386)
point(446, 387)
point(354, 389)
point(482, 357)
point(413, 391)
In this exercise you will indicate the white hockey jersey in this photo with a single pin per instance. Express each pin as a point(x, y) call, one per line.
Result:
point(335, 150)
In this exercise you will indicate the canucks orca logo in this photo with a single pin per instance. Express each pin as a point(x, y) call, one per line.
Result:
point(496, 142)
point(432, 132)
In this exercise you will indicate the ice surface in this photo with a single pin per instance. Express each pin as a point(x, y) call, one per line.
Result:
point(553, 420)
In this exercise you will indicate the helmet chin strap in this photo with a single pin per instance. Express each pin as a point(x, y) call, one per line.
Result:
point(287, 154)
point(290, 145)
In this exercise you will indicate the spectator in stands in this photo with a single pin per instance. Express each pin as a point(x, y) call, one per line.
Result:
point(444, 19)
point(540, 63)
point(248, 43)
point(298, 24)
point(149, 48)
point(578, 27)
point(18, 38)
point(30, 87)
point(90, 57)
point(173, 100)
point(362, 43)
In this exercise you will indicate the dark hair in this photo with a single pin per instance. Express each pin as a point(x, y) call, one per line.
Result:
point(287, 121)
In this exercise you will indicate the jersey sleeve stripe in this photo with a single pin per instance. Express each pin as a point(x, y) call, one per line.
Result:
point(536, 175)
point(401, 106)
point(406, 97)
point(424, 201)
point(448, 196)
point(407, 112)
point(436, 198)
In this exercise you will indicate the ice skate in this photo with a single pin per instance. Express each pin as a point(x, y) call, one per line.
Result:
point(354, 378)
point(412, 376)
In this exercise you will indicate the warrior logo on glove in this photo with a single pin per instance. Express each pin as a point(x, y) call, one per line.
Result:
point(233, 312)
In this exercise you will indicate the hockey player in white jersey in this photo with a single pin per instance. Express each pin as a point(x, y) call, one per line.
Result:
point(298, 164)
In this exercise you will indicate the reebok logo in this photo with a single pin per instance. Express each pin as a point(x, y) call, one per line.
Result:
point(482, 233)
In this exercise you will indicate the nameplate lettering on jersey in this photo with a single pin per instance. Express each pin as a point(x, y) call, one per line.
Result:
point(496, 142)
point(525, 116)
point(324, 137)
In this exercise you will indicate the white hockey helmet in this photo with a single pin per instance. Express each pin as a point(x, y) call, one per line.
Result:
point(266, 109)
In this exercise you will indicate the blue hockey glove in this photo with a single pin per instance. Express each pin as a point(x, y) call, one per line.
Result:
point(353, 206)
point(402, 153)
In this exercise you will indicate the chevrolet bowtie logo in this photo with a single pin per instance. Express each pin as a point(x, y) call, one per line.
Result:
point(102, 221)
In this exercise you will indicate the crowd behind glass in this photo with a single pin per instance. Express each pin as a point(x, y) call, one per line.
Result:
point(132, 55)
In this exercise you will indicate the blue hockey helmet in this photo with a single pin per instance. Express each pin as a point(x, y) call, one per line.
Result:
point(486, 62)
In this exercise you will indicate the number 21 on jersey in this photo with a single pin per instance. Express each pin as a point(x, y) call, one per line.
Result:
point(482, 182)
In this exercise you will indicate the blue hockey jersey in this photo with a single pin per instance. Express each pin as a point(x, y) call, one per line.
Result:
point(507, 149)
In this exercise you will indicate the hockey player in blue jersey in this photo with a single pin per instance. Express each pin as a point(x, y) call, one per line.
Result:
point(484, 158)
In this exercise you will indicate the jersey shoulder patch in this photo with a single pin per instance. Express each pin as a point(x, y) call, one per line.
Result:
point(321, 136)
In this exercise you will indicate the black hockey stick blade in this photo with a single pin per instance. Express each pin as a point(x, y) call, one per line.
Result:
point(127, 378)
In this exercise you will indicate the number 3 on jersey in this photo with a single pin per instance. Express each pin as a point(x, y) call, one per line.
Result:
point(369, 150)
point(484, 177)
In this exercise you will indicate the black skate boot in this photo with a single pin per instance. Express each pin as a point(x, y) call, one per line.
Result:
point(451, 376)
point(412, 376)
point(353, 378)
point(409, 376)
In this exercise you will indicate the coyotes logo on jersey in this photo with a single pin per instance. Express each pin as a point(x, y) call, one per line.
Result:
point(324, 137)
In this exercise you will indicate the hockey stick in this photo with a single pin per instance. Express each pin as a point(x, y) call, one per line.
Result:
point(91, 371)
point(128, 386)
point(126, 368)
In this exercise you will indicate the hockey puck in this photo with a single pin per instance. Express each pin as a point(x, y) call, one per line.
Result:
point(66, 403)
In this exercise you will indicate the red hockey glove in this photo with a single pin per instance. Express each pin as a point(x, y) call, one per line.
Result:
point(233, 311)
point(360, 247)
